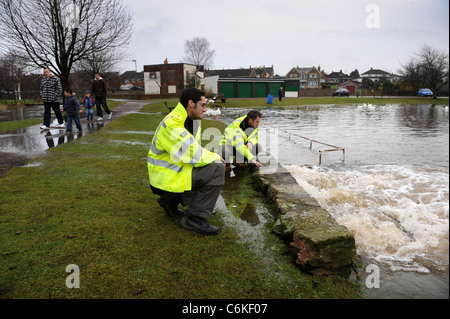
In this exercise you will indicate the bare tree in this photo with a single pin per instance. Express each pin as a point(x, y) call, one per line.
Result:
point(429, 68)
point(435, 66)
point(60, 33)
point(197, 52)
point(102, 63)
point(15, 66)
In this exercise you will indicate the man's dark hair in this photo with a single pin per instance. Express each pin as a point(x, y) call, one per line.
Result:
point(253, 114)
point(68, 90)
point(193, 94)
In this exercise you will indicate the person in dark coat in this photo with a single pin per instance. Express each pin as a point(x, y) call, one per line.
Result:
point(280, 93)
point(99, 92)
point(72, 107)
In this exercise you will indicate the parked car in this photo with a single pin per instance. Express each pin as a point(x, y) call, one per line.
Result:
point(425, 92)
point(126, 87)
point(341, 92)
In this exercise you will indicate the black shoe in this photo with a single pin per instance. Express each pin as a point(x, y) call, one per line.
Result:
point(199, 225)
point(170, 209)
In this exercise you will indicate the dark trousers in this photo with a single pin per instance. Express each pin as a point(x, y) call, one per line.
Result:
point(230, 155)
point(77, 122)
point(48, 106)
point(99, 102)
point(207, 181)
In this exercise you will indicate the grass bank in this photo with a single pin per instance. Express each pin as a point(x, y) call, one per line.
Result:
point(293, 102)
point(15, 125)
point(88, 203)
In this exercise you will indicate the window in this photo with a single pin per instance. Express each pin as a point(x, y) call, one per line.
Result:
point(172, 89)
point(171, 74)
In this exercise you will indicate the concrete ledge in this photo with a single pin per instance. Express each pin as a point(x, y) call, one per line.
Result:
point(320, 245)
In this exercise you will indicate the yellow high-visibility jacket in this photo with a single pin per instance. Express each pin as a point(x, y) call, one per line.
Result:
point(175, 152)
point(234, 136)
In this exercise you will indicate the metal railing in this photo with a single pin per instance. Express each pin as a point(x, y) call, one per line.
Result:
point(311, 141)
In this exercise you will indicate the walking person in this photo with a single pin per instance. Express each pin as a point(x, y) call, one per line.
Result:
point(280, 93)
point(181, 170)
point(50, 92)
point(99, 91)
point(72, 107)
point(88, 103)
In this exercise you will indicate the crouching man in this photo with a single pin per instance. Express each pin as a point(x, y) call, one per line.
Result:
point(239, 144)
point(180, 170)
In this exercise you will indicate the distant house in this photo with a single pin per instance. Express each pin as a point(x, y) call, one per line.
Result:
point(169, 79)
point(264, 72)
point(323, 77)
point(376, 75)
point(309, 77)
point(338, 78)
point(350, 85)
point(134, 78)
point(256, 72)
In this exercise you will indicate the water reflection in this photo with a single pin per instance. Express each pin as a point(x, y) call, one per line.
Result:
point(15, 113)
point(423, 118)
point(240, 203)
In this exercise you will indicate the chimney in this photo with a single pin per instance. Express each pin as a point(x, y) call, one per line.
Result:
point(166, 62)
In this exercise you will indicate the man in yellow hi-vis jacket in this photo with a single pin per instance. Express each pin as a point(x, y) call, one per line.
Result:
point(180, 170)
point(240, 140)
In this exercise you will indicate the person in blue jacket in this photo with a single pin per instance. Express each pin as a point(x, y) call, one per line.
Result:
point(88, 103)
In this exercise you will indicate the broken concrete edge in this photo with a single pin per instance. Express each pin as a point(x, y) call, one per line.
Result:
point(321, 246)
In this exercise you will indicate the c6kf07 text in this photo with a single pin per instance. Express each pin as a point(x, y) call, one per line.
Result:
point(251, 308)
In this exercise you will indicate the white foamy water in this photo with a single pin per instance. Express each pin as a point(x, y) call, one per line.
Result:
point(398, 214)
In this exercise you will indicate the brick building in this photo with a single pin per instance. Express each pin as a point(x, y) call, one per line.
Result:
point(170, 79)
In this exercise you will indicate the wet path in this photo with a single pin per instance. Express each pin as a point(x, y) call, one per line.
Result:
point(18, 146)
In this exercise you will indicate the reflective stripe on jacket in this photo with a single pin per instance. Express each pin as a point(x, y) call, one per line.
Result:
point(236, 137)
point(175, 152)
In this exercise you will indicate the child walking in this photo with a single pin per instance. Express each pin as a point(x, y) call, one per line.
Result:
point(72, 107)
point(88, 103)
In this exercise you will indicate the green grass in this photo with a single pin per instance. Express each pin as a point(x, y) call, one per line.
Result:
point(14, 125)
point(293, 102)
point(89, 204)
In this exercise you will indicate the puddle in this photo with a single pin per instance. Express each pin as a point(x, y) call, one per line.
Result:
point(133, 132)
point(128, 142)
point(243, 209)
point(35, 164)
point(19, 146)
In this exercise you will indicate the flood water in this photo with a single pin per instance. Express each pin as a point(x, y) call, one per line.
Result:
point(391, 191)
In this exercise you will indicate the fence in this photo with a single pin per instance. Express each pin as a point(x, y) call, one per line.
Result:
point(311, 141)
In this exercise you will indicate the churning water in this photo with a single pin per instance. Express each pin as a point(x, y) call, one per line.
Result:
point(392, 190)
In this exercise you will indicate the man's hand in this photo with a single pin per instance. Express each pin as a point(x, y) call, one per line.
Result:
point(258, 164)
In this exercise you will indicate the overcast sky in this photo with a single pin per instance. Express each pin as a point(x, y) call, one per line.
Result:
point(337, 35)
